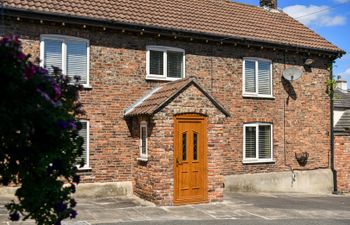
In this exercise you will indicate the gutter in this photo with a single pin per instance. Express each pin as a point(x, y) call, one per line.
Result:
point(152, 29)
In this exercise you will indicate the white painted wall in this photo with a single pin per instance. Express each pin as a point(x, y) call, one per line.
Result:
point(337, 115)
point(311, 181)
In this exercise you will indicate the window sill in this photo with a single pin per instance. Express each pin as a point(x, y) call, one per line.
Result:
point(82, 169)
point(258, 161)
point(259, 96)
point(142, 159)
point(87, 86)
point(162, 78)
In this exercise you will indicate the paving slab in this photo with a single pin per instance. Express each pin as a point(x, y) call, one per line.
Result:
point(188, 213)
point(235, 207)
point(156, 213)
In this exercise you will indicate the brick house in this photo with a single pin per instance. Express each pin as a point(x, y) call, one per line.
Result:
point(341, 121)
point(186, 98)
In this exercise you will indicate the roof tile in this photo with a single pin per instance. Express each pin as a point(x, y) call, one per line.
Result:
point(341, 99)
point(214, 17)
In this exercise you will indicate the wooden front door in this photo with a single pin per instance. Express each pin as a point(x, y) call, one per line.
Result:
point(190, 159)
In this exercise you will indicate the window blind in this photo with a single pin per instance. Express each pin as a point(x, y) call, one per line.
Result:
point(250, 79)
point(264, 77)
point(156, 63)
point(52, 54)
point(264, 142)
point(77, 60)
point(174, 64)
point(250, 142)
point(143, 140)
point(84, 134)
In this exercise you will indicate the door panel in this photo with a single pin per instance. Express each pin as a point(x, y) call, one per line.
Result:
point(190, 159)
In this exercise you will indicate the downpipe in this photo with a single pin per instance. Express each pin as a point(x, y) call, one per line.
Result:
point(284, 143)
point(332, 161)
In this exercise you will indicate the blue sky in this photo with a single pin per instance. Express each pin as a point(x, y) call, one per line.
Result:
point(329, 18)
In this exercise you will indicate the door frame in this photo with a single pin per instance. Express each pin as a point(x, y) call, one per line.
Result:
point(204, 122)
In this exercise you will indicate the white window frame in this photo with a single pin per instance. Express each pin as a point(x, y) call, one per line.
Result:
point(143, 157)
point(64, 39)
point(87, 162)
point(163, 49)
point(256, 93)
point(256, 160)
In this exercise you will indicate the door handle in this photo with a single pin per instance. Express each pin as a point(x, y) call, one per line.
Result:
point(178, 162)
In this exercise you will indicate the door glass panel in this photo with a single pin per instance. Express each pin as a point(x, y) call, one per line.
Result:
point(195, 154)
point(184, 147)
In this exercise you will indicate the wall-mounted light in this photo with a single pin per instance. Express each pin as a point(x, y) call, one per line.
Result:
point(308, 62)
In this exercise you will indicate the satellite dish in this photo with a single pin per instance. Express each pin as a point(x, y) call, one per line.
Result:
point(292, 73)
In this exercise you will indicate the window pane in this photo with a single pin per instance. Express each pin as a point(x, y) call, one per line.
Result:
point(52, 54)
point(250, 76)
point(184, 147)
point(143, 140)
point(265, 142)
point(83, 133)
point(77, 60)
point(156, 63)
point(195, 146)
point(250, 142)
point(175, 64)
point(264, 76)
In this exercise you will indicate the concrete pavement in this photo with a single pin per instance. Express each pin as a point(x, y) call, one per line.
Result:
point(240, 222)
point(237, 207)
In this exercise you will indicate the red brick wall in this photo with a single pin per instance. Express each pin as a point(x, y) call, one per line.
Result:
point(117, 77)
point(342, 162)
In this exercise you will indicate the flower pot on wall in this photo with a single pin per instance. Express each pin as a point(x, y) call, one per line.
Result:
point(302, 158)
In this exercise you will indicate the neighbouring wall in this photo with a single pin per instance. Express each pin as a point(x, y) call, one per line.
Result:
point(342, 162)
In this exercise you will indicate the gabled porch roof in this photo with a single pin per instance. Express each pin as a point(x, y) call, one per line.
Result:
point(159, 97)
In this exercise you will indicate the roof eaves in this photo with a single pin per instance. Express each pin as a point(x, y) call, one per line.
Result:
point(341, 132)
point(341, 107)
point(11, 11)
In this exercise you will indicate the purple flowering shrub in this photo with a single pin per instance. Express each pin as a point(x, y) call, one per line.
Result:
point(39, 140)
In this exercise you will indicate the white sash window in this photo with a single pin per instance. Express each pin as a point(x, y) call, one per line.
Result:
point(70, 54)
point(257, 78)
point(85, 133)
point(257, 143)
point(165, 63)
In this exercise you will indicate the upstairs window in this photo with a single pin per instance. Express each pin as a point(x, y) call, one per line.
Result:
point(165, 63)
point(84, 133)
point(257, 78)
point(70, 54)
point(257, 143)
